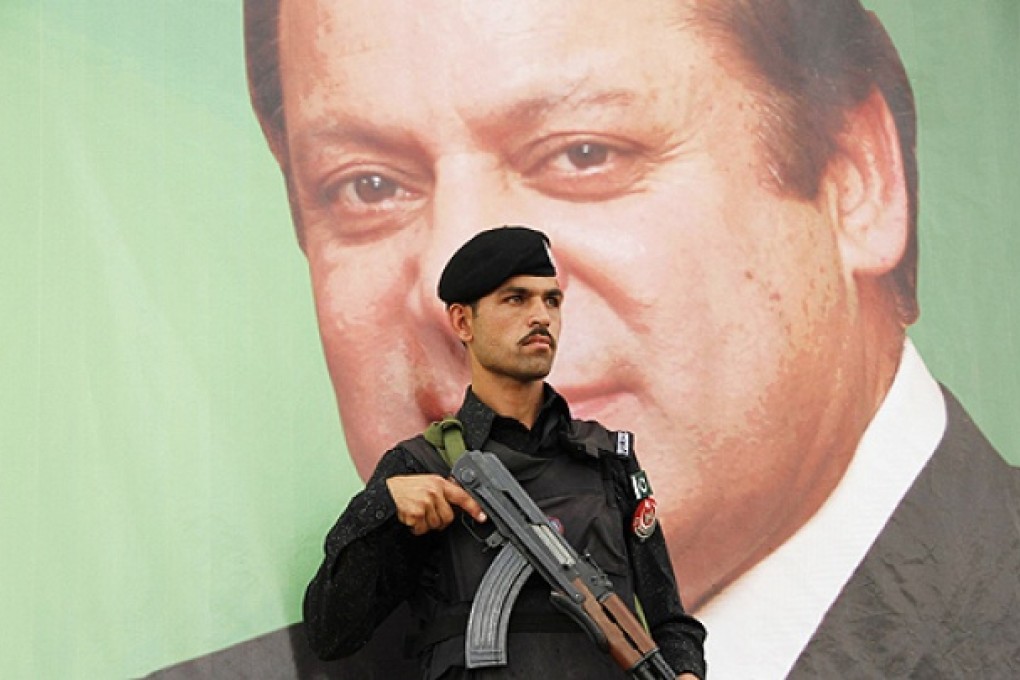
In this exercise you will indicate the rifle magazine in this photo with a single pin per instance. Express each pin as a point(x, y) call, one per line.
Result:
point(485, 643)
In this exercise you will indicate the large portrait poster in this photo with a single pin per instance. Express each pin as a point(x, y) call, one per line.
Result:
point(202, 360)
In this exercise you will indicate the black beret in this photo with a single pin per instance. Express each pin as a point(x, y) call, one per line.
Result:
point(491, 257)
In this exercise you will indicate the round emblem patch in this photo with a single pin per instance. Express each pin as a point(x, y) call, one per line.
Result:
point(644, 519)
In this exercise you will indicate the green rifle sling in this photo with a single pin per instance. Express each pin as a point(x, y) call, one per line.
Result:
point(447, 436)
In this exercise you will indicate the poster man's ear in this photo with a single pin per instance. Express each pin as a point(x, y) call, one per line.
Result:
point(868, 188)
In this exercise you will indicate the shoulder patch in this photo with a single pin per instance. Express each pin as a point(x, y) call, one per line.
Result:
point(624, 444)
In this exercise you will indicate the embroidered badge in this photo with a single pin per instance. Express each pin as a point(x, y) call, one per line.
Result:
point(640, 485)
point(644, 520)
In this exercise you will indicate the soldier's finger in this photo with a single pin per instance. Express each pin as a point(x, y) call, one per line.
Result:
point(445, 513)
point(432, 518)
point(456, 495)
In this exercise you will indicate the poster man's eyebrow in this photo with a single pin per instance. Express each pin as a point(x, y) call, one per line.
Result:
point(354, 132)
point(534, 109)
point(561, 104)
point(344, 130)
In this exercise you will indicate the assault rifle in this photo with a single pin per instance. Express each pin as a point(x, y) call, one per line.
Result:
point(529, 542)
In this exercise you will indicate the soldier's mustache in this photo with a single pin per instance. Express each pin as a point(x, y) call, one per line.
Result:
point(544, 332)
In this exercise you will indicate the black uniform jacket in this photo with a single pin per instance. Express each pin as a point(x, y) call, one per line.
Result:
point(373, 563)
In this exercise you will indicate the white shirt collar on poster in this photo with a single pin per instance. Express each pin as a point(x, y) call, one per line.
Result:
point(759, 625)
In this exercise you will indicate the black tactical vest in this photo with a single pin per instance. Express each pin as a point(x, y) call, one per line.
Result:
point(581, 489)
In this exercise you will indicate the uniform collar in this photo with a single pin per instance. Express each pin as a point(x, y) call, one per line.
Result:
point(477, 417)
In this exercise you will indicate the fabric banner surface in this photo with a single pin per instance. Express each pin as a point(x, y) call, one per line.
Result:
point(175, 350)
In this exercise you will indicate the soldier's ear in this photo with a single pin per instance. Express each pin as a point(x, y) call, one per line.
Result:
point(867, 190)
point(461, 321)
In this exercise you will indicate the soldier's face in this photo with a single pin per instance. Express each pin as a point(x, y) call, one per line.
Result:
point(515, 331)
point(706, 311)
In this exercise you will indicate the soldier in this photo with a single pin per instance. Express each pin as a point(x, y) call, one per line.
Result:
point(398, 540)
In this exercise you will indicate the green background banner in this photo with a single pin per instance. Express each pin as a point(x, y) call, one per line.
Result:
point(170, 453)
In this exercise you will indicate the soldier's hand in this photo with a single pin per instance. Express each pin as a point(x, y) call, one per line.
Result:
point(426, 502)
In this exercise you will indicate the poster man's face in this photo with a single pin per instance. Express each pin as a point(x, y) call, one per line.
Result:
point(707, 314)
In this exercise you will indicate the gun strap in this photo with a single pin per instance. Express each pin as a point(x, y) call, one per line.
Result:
point(447, 436)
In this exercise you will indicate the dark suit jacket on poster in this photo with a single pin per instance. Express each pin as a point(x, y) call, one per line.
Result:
point(938, 593)
point(936, 596)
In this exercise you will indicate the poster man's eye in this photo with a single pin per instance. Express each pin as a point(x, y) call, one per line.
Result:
point(365, 201)
point(587, 155)
point(587, 167)
point(372, 192)
point(374, 188)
